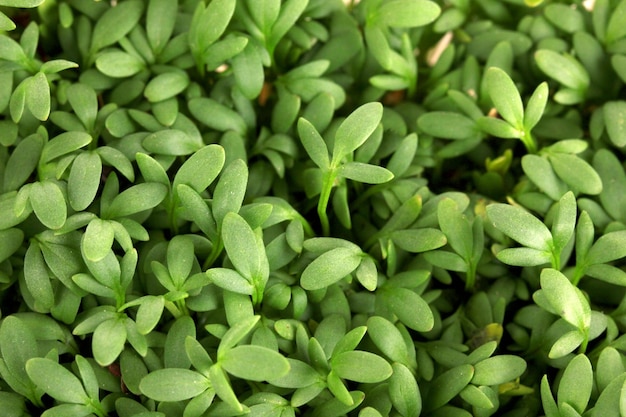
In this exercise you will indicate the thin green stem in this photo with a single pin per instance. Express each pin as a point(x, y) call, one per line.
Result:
point(470, 278)
point(579, 272)
point(322, 204)
point(556, 259)
point(215, 252)
point(529, 142)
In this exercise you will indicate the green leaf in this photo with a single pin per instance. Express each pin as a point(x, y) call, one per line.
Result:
point(222, 387)
point(118, 64)
point(151, 170)
point(230, 190)
point(609, 247)
point(230, 280)
point(388, 339)
point(565, 298)
point(447, 386)
point(576, 384)
point(84, 102)
point(563, 68)
point(10, 241)
point(410, 308)
point(300, 375)
point(520, 226)
point(160, 22)
point(329, 268)
point(565, 18)
point(389, 82)
point(21, 3)
point(196, 210)
point(136, 199)
point(57, 65)
point(56, 381)
point(223, 50)
point(355, 129)
point(97, 240)
point(173, 384)
point(505, 96)
point(361, 366)
point(498, 128)
point(313, 144)
point(180, 258)
point(615, 122)
point(170, 142)
point(243, 249)
point(118, 160)
point(498, 370)
point(367, 173)
point(84, 180)
point(477, 396)
point(216, 115)
point(536, 106)
point(115, 23)
point(367, 273)
point(378, 45)
point(254, 363)
point(404, 392)
point(149, 313)
point(577, 173)
point(564, 221)
point(38, 96)
point(248, 70)
point(209, 24)
point(201, 168)
point(524, 256)
point(22, 162)
point(540, 172)
point(447, 125)
point(88, 376)
point(290, 11)
point(405, 13)
point(338, 388)
point(236, 333)
point(609, 367)
point(350, 340)
point(198, 356)
point(48, 203)
point(166, 85)
point(108, 341)
point(17, 344)
point(419, 240)
point(609, 167)
point(616, 28)
point(456, 227)
point(6, 24)
point(174, 354)
point(547, 400)
point(64, 144)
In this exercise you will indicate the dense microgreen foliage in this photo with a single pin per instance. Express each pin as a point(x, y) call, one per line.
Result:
point(312, 207)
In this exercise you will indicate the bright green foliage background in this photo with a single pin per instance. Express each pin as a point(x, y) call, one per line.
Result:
point(312, 208)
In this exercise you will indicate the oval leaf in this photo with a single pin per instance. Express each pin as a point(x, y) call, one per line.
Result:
point(254, 363)
point(48, 204)
point(329, 268)
point(505, 96)
point(56, 381)
point(84, 180)
point(498, 370)
point(173, 384)
point(361, 366)
point(136, 199)
point(355, 129)
point(520, 225)
point(108, 341)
